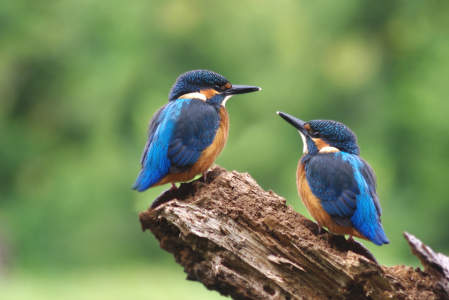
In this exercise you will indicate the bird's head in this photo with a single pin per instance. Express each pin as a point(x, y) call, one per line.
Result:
point(207, 86)
point(324, 135)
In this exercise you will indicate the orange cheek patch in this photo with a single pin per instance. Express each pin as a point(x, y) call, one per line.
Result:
point(320, 144)
point(209, 93)
point(307, 127)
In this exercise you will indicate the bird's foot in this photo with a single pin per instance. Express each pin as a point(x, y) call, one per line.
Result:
point(320, 228)
point(351, 239)
point(173, 187)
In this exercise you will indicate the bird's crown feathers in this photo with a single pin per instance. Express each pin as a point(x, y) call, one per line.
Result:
point(194, 81)
point(335, 133)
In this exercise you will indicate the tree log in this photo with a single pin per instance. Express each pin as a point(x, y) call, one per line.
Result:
point(247, 243)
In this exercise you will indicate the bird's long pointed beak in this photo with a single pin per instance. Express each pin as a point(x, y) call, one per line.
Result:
point(297, 123)
point(241, 89)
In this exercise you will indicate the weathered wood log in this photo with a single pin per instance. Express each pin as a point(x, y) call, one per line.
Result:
point(244, 242)
point(435, 264)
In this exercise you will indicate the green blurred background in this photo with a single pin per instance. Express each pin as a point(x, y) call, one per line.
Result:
point(79, 81)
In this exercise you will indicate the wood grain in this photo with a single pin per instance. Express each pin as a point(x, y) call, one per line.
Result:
point(247, 243)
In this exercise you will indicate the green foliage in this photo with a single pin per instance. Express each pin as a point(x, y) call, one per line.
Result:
point(79, 81)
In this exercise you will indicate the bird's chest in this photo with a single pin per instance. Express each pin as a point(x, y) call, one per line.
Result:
point(210, 154)
point(221, 135)
point(311, 202)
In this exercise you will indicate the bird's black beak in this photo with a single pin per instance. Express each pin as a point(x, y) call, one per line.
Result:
point(297, 123)
point(241, 89)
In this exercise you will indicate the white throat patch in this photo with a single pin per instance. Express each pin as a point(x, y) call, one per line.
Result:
point(226, 99)
point(304, 142)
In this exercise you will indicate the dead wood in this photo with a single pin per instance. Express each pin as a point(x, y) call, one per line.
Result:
point(247, 243)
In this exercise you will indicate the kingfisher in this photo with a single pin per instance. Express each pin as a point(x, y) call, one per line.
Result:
point(188, 133)
point(335, 184)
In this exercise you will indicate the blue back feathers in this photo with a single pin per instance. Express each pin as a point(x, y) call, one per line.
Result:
point(155, 163)
point(176, 139)
point(343, 181)
point(192, 134)
point(193, 81)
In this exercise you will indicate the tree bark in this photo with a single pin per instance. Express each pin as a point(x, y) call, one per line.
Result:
point(247, 243)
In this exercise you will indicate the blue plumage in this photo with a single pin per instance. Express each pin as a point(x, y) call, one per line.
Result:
point(366, 217)
point(337, 134)
point(194, 81)
point(155, 163)
point(176, 139)
point(194, 131)
point(343, 183)
point(181, 131)
point(346, 185)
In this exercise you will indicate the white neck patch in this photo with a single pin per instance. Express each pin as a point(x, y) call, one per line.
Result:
point(226, 99)
point(304, 142)
point(194, 96)
point(329, 150)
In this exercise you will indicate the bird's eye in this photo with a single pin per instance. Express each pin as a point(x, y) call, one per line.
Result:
point(316, 134)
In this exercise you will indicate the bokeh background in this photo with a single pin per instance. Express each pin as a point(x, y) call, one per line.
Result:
point(79, 81)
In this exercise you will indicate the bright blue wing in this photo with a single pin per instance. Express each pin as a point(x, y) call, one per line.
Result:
point(152, 128)
point(370, 179)
point(176, 139)
point(346, 185)
point(332, 180)
point(154, 161)
point(194, 131)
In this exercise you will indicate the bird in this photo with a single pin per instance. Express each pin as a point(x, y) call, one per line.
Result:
point(187, 134)
point(336, 185)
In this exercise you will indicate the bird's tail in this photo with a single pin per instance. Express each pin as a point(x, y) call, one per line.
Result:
point(149, 176)
point(143, 182)
point(380, 237)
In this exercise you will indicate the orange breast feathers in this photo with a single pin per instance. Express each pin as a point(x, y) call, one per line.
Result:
point(208, 156)
point(316, 210)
